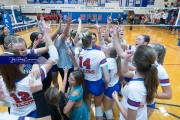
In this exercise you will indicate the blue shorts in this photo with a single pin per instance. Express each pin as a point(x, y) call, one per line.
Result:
point(54, 68)
point(117, 87)
point(32, 114)
point(127, 79)
point(95, 87)
point(152, 105)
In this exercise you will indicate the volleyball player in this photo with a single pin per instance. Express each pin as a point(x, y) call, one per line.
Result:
point(15, 84)
point(91, 62)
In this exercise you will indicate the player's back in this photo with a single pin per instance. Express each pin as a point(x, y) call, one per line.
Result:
point(89, 61)
point(21, 100)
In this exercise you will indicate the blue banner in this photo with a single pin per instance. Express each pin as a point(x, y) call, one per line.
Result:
point(7, 22)
point(100, 16)
point(19, 59)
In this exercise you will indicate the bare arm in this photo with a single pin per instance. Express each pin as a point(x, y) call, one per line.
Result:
point(52, 50)
point(73, 59)
point(166, 94)
point(66, 29)
point(121, 108)
point(55, 33)
point(64, 79)
point(106, 74)
point(131, 114)
point(70, 103)
point(76, 39)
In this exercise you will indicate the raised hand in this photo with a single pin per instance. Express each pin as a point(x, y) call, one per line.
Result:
point(35, 71)
point(45, 27)
point(69, 20)
point(128, 54)
point(35, 85)
point(98, 27)
point(109, 19)
point(79, 20)
point(114, 32)
point(69, 52)
point(36, 42)
point(66, 69)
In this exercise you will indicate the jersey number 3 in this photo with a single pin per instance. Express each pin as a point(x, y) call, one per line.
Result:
point(85, 63)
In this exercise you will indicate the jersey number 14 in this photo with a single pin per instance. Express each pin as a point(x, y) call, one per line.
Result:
point(85, 63)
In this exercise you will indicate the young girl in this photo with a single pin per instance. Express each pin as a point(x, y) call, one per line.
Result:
point(15, 84)
point(142, 88)
point(114, 73)
point(162, 75)
point(5, 31)
point(41, 104)
point(76, 97)
point(91, 62)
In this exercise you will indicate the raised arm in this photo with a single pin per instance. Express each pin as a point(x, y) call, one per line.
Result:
point(73, 59)
point(65, 33)
point(64, 79)
point(100, 39)
point(52, 49)
point(119, 50)
point(41, 104)
point(76, 39)
point(125, 68)
point(55, 33)
point(106, 37)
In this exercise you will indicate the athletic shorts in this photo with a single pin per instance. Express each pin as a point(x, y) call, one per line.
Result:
point(95, 87)
point(152, 105)
point(54, 68)
point(117, 87)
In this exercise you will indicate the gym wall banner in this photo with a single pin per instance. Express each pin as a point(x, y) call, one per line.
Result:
point(7, 22)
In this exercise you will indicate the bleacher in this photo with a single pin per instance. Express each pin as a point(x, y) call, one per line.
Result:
point(23, 22)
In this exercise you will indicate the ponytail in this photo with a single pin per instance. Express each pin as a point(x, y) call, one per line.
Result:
point(151, 83)
point(118, 61)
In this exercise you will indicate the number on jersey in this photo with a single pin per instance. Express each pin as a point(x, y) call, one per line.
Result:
point(85, 63)
point(24, 97)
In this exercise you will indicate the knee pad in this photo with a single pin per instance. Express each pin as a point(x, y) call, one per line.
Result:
point(109, 114)
point(98, 111)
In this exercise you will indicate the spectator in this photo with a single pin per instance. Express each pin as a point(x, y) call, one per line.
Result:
point(40, 23)
point(131, 21)
point(119, 19)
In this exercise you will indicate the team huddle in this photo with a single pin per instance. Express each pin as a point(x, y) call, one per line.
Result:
point(87, 70)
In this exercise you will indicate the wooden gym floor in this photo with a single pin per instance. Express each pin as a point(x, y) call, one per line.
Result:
point(165, 109)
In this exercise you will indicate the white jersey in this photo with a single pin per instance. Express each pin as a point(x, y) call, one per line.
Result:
point(112, 68)
point(21, 100)
point(90, 61)
point(134, 95)
point(162, 75)
point(7, 116)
